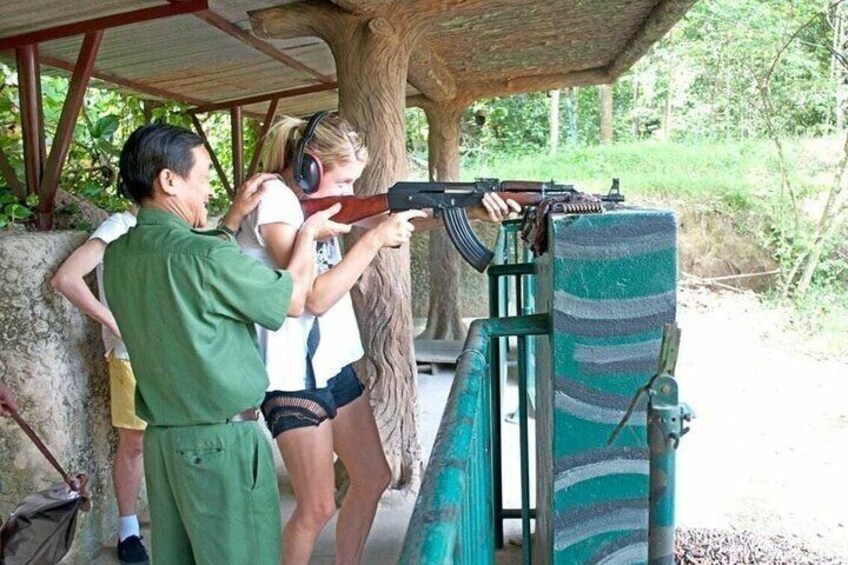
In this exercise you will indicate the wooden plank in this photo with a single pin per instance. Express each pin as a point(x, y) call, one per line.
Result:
point(437, 351)
point(105, 22)
point(131, 84)
point(227, 27)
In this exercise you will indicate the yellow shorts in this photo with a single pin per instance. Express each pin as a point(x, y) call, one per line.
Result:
point(122, 393)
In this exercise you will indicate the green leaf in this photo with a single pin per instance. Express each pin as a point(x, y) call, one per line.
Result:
point(105, 127)
point(108, 148)
point(17, 211)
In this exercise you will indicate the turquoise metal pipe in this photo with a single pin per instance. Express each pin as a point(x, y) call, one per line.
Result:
point(524, 452)
point(497, 358)
point(508, 270)
point(439, 531)
point(666, 425)
point(501, 274)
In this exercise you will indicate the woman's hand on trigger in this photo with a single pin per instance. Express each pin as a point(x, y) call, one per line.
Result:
point(321, 227)
point(396, 229)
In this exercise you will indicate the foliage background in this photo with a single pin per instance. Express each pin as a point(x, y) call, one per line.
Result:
point(739, 110)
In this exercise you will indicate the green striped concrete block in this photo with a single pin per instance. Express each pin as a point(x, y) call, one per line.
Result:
point(609, 283)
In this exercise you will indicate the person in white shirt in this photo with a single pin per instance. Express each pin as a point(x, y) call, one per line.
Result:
point(128, 463)
point(315, 404)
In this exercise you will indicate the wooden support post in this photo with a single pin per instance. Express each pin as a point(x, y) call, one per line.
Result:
point(32, 124)
point(65, 129)
point(198, 127)
point(260, 142)
point(444, 319)
point(238, 145)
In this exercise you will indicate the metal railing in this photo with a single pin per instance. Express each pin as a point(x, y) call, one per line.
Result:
point(453, 518)
point(512, 287)
point(458, 516)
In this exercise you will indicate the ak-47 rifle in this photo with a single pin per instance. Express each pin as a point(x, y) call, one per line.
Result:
point(449, 200)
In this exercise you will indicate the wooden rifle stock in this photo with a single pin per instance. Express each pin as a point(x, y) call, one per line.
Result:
point(354, 208)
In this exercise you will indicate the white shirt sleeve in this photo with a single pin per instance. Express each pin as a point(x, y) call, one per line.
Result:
point(278, 205)
point(114, 227)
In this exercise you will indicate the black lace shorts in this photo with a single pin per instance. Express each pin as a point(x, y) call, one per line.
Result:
point(287, 410)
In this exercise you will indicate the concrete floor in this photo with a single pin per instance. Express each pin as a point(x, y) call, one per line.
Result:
point(386, 538)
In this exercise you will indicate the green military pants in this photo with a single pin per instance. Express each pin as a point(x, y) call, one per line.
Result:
point(213, 495)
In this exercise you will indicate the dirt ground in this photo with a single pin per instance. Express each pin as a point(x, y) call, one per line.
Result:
point(768, 451)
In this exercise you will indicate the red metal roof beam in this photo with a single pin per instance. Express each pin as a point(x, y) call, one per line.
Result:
point(292, 92)
point(237, 135)
point(198, 127)
point(32, 116)
point(173, 8)
point(260, 141)
point(65, 128)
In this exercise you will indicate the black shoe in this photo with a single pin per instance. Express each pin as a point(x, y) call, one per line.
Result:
point(131, 550)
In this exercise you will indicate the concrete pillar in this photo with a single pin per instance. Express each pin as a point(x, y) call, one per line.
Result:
point(51, 356)
point(608, 281)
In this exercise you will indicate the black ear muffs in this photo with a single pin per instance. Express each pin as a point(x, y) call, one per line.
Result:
point(306, 169)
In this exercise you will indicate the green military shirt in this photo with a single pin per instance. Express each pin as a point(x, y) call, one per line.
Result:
point(186, 303)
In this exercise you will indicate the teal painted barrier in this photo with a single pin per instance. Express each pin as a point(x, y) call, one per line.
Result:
point(452, 521)
point(609, 283)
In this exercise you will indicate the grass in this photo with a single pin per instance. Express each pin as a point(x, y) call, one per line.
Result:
point(738, 178)
point(729, 175)
point(820, 320)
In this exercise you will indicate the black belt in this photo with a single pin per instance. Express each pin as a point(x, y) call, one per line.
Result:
point(249, 415)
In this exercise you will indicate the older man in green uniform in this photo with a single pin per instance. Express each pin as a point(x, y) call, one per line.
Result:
point(186, 302)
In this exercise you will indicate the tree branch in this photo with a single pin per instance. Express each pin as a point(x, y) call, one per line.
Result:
point(532, 83)
point(9, 175)
point(302, 19)
point(429, 74)
point(363, 7)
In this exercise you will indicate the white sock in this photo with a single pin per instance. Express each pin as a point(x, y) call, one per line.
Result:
point(128, 527)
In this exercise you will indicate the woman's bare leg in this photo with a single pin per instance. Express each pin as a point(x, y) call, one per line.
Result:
point(357, 443)
point(308, 455)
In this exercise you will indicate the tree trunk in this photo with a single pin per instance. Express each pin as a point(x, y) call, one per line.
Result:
point(444, 319)
point(554, 122)
point(572, 111)
point(372, 58)
point(606, 112)
point(828, 223)
point(634, 111)
point(668, 97)
point(838, 70)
